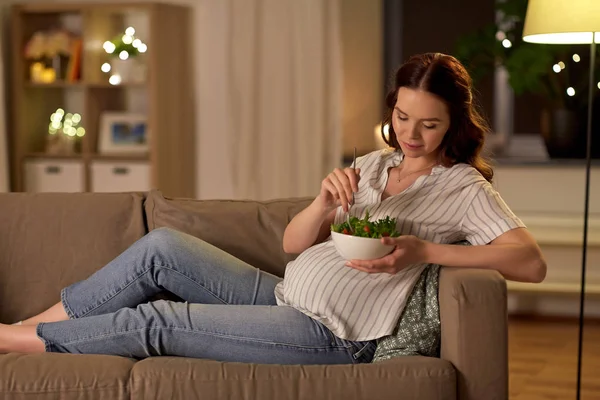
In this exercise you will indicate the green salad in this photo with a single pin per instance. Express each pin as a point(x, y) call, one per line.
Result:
point(365, 228)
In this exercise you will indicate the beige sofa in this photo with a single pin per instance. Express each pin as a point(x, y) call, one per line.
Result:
point(48, 241)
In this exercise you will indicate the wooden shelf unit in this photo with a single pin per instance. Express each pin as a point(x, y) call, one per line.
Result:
point(165, 97)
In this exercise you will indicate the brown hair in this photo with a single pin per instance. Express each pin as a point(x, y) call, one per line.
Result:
point(445, 77)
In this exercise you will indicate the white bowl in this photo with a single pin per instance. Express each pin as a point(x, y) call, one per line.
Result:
point(360, 248)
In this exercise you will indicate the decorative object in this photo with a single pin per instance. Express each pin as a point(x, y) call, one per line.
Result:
point(555, 73)
point(123, 133)
point(53, 55)
point(125, 65)
point(571, 22)
point(64, 133)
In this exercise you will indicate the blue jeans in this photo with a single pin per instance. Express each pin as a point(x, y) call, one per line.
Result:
point(228, 310)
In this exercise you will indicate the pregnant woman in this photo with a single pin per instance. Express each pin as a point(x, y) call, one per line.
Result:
point(326, 310)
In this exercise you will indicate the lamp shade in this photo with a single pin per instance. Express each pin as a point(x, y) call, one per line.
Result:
point(562, 21)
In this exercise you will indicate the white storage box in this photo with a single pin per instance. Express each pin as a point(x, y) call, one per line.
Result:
point(114, 176)
point(52, 175)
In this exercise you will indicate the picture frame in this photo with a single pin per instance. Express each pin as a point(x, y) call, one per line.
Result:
point(123, 132)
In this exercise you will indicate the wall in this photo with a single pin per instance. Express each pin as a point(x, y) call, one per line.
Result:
point(549, 198)
point(362, 53)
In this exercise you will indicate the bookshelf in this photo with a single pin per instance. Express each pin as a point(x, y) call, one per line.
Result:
point(85, 119)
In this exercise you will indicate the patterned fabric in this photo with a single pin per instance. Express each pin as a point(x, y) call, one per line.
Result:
point(418, 332)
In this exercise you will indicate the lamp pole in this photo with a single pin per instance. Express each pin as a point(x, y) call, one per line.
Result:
point(588, 165)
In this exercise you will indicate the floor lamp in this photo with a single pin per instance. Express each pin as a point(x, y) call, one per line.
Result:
point(570, 22)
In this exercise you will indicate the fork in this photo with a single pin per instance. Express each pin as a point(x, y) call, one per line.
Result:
point(352, 201)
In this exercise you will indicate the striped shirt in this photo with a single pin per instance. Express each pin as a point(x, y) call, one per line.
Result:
point(446, 206)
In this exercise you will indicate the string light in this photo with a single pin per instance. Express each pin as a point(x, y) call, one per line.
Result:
point(506, 43)
point(571, 91)
point(576, 58)
point(109, 47)
point(114, 79)
point(68, 125)
point(127, 38)
point(556, 68)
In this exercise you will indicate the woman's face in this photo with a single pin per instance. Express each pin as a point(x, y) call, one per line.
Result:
point(420, 120)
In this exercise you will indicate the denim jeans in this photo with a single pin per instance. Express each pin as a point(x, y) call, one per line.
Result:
point(228, 310)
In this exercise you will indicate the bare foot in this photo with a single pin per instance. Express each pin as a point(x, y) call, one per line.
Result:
point(20, 339)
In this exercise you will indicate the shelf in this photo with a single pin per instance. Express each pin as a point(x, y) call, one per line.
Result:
point(567, 289)
point(160, 94)
point(57, 84)
point(76, 156)
point(93, 157)
point(119, 157)
point(44, 8)
point(104, 85)
point(99, 85)
point(70, 7)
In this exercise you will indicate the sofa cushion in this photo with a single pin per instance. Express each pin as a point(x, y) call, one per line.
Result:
point(64, 376)
point(186, 378)
point(50, 240)
point(250, 230)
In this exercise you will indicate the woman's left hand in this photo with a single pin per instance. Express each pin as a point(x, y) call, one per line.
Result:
point(409, 250)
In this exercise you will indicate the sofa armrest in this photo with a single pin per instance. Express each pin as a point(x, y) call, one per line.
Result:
point(473, 315)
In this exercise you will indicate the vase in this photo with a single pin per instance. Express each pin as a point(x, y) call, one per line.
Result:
point(131, 70)
point(563, 132)
point(61, 144)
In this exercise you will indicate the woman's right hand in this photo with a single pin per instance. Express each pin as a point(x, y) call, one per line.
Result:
point(337, 188)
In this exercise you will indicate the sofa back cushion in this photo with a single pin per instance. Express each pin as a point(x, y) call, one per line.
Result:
point(249, 230)
point(50, 240)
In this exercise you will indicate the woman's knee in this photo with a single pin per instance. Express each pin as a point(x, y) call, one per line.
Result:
point(163, 237)
point(169, 243)
point(164, 313)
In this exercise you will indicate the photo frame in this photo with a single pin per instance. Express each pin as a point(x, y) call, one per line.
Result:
point(123, 132)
